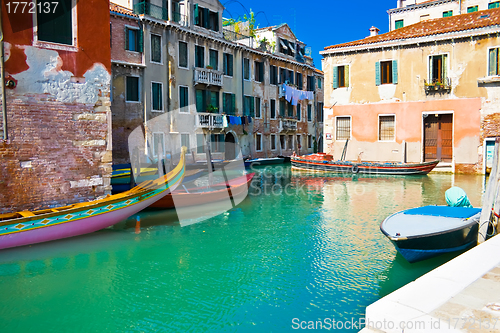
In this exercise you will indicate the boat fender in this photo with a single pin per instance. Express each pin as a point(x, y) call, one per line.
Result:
point(355, 169)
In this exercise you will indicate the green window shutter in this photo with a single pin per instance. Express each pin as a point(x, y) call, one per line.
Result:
point(298, 112)
point(261, 72)
point(448, 13)
point(495, 4)
point(335, 77)
point(126, 38)
point(200, 105)
point(252, 107)
point(196, 14)
point(206, 15)
point(224, 63)
point(377, 73)
point(395, 72)
point(141, 40)
point(217, 21)
point(230, 65)
point(492, 66)
point(214, 99)
point(399, 24)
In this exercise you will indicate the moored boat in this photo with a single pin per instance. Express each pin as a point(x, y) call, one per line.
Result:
point(184, 197)
point(424, 232)
point(264, 161)
point(325, 162)
point(26, 227)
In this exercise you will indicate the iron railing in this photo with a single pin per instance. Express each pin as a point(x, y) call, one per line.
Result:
point(208, 76)
point(437, 85)
point(209, 120)
point(146, 8)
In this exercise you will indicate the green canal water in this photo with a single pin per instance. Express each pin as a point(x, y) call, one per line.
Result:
point(300, 247)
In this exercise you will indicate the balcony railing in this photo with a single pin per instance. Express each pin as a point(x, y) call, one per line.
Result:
point(233, 36)
point(146, 8)
point(288, 125)
point(209, 120)
point(443, 85)
point(208, 76)
point(180, 19)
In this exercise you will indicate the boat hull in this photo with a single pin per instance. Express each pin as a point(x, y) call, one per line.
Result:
point(364, 167)
point(264, 161)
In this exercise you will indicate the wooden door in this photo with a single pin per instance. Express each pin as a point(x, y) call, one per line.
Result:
point(438, 137)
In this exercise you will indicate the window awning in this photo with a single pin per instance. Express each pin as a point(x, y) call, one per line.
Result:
point(292, 47)
point(283, 44)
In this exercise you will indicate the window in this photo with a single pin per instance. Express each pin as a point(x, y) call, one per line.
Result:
point(319, 112)
point(257, 107)
point(246, 69)
point(310, 83)
point(471, 9)
point(309, 142)
point(438, 68)
point(158, 144)
point(228, 64)
point(258, 142)
point(56, 26)
point(185, 142)
point(273, 142)
point(132, 88)
point(207, 101)
point(448, 13)
point(399, 24)
point(273, 75)
point(299, 81)
point(133, 40)
point(157, 96)
point(386, 128)
point(183, 54)
point(343, 128)
point(493, 64)
point(282, 142)
point(319, 82)
point(183, 99)
point(199, 56)
point(283, 73)
point(309, 112)
point(273, 109)
point(155, 48)
point(282, 107)
point(214, 59)
point(217, 142)
point(213, 21)
point(290, 76)
point(200, 143)
point(299, 141)
point(229, 104)
point(495, 4)
point(340, 77)
point(290, 142)
point(248, 106)
point(290, 109)
point(298, 112)
point(386, 72)
point(204, 18)
point(259, 71)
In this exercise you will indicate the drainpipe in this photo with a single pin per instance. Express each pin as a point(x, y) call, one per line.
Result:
point(2, 83)
point(459, 7)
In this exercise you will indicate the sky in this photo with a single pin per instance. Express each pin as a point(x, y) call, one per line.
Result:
point(319, 23)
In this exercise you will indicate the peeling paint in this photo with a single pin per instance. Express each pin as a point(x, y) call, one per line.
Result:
point(93, 181)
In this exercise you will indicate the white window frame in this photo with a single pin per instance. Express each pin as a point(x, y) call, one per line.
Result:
point(380, 62)
point(151, 50)
point(350, 127)
point(275, 109)
point(284, 141)
point(187, 51)
point(259, 136)
point(249, 70)
point(179, 96)
point(138, 87)
point(162, 97)
point(56, 46)
point(378, 126)
point(271, 142)
point(155, 154)
point(488, 61)
point(204, 56)
point(349, 78)
point(447, 63)
point(131, 28)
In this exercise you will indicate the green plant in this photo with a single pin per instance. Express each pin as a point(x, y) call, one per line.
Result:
point(212, 109)
point(209, 67)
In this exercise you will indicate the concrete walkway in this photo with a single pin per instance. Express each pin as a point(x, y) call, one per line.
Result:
point(462, 295)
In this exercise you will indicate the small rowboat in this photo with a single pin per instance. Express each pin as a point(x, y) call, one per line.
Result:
point(424, 232)
point(324, 162)
point(264, 161)
point(203, 195)
point(23, 228)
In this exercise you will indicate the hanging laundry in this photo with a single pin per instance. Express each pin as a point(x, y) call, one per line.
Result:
point(288, 93)
point(224, 121)
point(249, 120)
point(244, 120)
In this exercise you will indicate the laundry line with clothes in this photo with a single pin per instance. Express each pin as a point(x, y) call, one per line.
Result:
point(235, 120)
point(294, 95)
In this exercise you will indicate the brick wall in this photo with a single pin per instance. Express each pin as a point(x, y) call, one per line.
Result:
point(118, 52)
point(56, 153)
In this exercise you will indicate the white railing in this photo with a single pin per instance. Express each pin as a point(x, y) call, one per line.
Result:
point(288, 125)
point(208, 76)
point(209, 120)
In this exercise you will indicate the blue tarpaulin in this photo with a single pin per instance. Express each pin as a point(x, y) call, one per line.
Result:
point(444, 211)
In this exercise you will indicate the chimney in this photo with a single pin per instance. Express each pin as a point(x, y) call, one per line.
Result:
point(374, 31)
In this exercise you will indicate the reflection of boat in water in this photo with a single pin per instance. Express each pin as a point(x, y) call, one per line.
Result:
point(184, 197)
point(23, 228)
point(424, 232)
point(324, 162)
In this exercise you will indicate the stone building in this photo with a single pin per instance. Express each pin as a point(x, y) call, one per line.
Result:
point(206, 79)
point(56, 141)
point(421, 92)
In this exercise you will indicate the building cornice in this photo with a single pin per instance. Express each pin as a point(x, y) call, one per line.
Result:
point(418, 6)
point(127, 64)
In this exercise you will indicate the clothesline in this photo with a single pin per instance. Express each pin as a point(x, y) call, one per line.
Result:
point(295, 95)
point(236, 120)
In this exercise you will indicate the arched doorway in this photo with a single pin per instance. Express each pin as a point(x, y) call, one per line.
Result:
point(230, 146)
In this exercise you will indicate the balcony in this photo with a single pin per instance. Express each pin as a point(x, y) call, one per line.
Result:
point(438, 86)
point(208, 76)
point(209, 120)
point(161, 13)
point(288, 125)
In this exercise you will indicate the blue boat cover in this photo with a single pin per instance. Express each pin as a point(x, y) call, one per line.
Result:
point(444, 211)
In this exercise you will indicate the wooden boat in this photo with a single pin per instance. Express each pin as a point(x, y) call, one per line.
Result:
point(324, 162)
point(23, 228)
point(425, 232)
point(197, 196)
point(264, 161)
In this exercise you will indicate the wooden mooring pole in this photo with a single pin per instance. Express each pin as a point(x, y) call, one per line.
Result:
point(491, 201)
